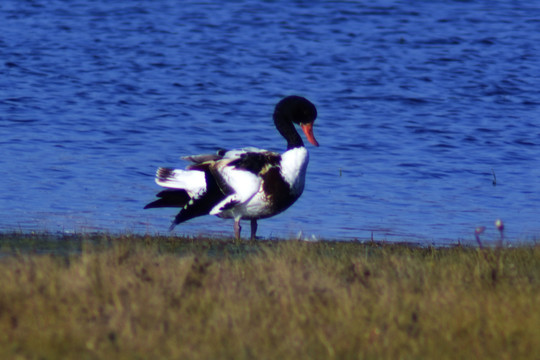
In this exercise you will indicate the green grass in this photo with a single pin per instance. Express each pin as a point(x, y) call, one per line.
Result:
point(136, 297)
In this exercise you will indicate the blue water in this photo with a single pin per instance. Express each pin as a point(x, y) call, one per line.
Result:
point(422, 105)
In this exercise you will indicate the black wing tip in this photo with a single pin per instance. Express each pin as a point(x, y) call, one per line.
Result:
point(169, 198)
point(155, 204)
point(173, 225)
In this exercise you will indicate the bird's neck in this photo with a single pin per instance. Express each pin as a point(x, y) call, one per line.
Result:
point(287, 130)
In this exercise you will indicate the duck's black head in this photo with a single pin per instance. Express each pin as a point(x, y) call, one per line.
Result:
point(295, 110)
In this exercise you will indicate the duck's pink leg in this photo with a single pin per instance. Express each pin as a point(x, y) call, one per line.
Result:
point(253, 228)
point(237, 228)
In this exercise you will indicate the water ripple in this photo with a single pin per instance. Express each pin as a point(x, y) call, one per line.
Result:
point(419, 108)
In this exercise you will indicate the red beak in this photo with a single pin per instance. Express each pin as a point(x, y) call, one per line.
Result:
point(308, 130)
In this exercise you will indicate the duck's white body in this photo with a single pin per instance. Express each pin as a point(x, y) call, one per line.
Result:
point(247, 183)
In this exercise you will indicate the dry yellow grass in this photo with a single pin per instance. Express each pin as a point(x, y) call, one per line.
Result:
point(134, 297)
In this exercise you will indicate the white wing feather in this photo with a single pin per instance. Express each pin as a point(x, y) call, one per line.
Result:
point(244, 184)
point(193, 181)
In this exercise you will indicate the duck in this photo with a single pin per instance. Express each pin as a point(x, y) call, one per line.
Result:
point(247, 183)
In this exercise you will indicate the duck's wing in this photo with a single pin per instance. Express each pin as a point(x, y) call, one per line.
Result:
point(239, 174)
point(194, 190)
point(213, 183)
point(182, 186)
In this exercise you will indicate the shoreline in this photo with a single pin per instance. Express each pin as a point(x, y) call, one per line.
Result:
point(49, 242)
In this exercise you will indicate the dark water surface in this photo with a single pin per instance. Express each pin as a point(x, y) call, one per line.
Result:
point(420, 104)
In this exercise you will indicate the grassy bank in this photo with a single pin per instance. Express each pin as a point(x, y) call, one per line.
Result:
point(132, 297)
